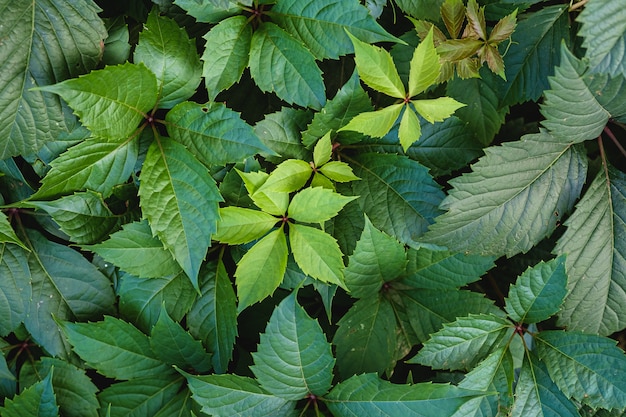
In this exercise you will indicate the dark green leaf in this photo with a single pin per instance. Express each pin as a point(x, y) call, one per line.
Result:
point(37, 401)
point(208, 11)
point(280, 132)
point(15, 287)
point(7, 234)
point(421, 9)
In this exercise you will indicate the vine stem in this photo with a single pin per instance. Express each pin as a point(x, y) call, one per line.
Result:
point(611, 135)
point(578, 5)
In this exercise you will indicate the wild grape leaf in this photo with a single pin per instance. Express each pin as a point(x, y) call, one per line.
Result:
point(595, 244)
point(167, 51)
point(213, 317)
point(294, 75)
point(512, 199)
point(37, 400)
point(604, 36)
point(15, 289)
point(293, 358)
point(213, 133)
point(280, 131)
point(73, 33)
point(369, 395)
point(239, 225)
point(316, 205)
point(112, 101)
point(589, 368)
point(180, 200)
point(115, 348)
point(7, 234)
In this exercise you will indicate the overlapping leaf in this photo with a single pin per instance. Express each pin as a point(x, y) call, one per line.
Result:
point(209, 12)
point(239, 225)
point(316, 205)
point(15, 288)
point(280, 132)
point(36, 400)
point(7, 234)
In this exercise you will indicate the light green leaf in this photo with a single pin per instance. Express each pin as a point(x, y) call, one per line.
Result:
point(281, 64)
point(115, 348)
point(226, 53)
point(377, 258)
point(464, 342)
point(167, 51)
point(538, 293)
point(425, 67)
point(261, 269)
point(272, 202)
point(15, 287)
point(375, 123)
point(134, 250)
point(366, 338)
point(7, 234)
point(369, 395)
point(595, 243)
point(437, 109)
point(280, 131)
point(317, 253)
point(323, 151)
point(410, 129)
point(94, 164)
point(316, 205)
point(338, 171)
point(73, 33)
point(239, 225)
point(213, 133)
point(508, 202)
point(293, 358)
point(377, 69)
point(236, 396)
point(180, 200)
point(37, 400)
point(288, 176)
point(589, 368)
point(213, 317)
point(141, 396)
point(113, 113)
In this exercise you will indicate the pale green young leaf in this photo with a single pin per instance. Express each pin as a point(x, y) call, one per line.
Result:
point(180, 200)
point(293, 358)
point(321, 181)
point(377, 69)
point(215, 134)
point(589, 368)
point(253, 180)
point(410, 129)
point(279, 63)
point(94, 164)
point(316, 205)
point(115, 348)
point(261, 270)
point(272, 202)
point(7, 234)
point(236, 396)
point(15, 287)
point(366, 338)
point(288, 176)
point(226, 53)
point(239, 225)
point(317, 253)
point(38, 400)
point(437, 109)
point(538, 293)
point(112, 101)
point(135, 250)
point(165, 48)
point(281, 132)
point(375, 123)
point(338, 171)
point(425, 67)
point(174, 346)
point(323, 151)
point(213, 317)
point(595, 241)
point(521, 209)
point(369, 395)
point(464, 342)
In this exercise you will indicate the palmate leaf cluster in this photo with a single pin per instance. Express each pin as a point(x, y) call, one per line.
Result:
point(320, 207)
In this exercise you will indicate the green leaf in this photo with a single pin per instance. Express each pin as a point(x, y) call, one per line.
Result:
point(180, 200)
point(174, 346)
point(410, 129)
point(338, 171)
point(94, 164)
point(594, 242)
point(604, 36)
point(15, 288)
point(66, 285)
point(213, 317)
point(213, 133)
point(236, 396)
point(525, 182)
point(37, 400)
point(369, 395)
point(425, 67)
point(366, 338)
point(375, 123)
point(377, 258)
point(589, 368)
point(7, 234)
point(167, 51)
point(538, 293)
point(281, 64)
point(73, 32)
point(464, 342)
point(84, 217)
point(115, 348)
point(226, 54)
point(316, 205)
point(134, 250)
point(377, 69)
point(317, 253)
point(437, 109)
point(288, 176)
point(239, 225)
point(261, 269)
point(293, 358)
point(280, 132)
point(208, 12)
point(116, 45)
point(112, 113)
point(453, 16)
point(323, 151)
